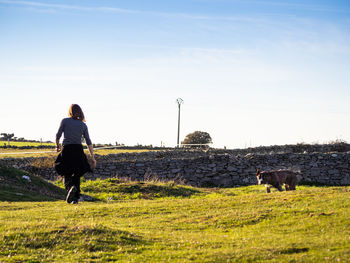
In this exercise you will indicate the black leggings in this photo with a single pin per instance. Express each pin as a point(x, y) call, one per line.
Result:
point(72, 180)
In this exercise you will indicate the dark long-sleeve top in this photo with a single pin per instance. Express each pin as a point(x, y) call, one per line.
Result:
point(73, 131)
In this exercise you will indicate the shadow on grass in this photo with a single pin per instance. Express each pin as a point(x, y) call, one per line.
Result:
point(162, 190)
point(294, 250)
point(139, 190)
point(88, 238)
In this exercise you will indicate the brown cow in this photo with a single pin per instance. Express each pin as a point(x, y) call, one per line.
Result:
point(277, 178)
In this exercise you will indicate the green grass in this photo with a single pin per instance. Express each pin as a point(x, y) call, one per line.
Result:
point(51, 153)
point(31, 144)
point(117, 151)
point(113, 189)
point(13, 187)
point(157, 222)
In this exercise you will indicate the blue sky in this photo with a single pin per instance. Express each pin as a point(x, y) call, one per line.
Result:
point(250, 72)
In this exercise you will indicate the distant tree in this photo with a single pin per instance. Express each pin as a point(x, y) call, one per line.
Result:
point(7, 136)
point(197, 137)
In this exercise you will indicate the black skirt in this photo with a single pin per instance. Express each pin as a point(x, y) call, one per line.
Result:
point(72, 160)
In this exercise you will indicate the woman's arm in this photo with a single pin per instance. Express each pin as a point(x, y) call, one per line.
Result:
point(58, 136)
point(91, 150)
point(90, 146)
point(58, 146)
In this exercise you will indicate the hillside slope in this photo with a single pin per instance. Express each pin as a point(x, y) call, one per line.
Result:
point(17, 185)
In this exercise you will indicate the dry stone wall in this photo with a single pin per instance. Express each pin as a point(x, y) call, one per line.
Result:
point(213, 168)
point(228, 170)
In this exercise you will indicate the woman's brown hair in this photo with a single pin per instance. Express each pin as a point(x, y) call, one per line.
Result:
point(76, 113)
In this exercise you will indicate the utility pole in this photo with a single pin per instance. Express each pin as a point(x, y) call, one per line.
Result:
point(179, 101)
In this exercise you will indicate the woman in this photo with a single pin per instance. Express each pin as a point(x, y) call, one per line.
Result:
point(72, 162)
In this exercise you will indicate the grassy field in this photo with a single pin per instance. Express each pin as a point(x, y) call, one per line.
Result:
point(31, 144)
point(21, 153)
point(153, 222)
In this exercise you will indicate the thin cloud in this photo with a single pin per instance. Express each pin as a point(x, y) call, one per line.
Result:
point(310, 7)
point(69, 7)
point(299, 6)
point(52, 7)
